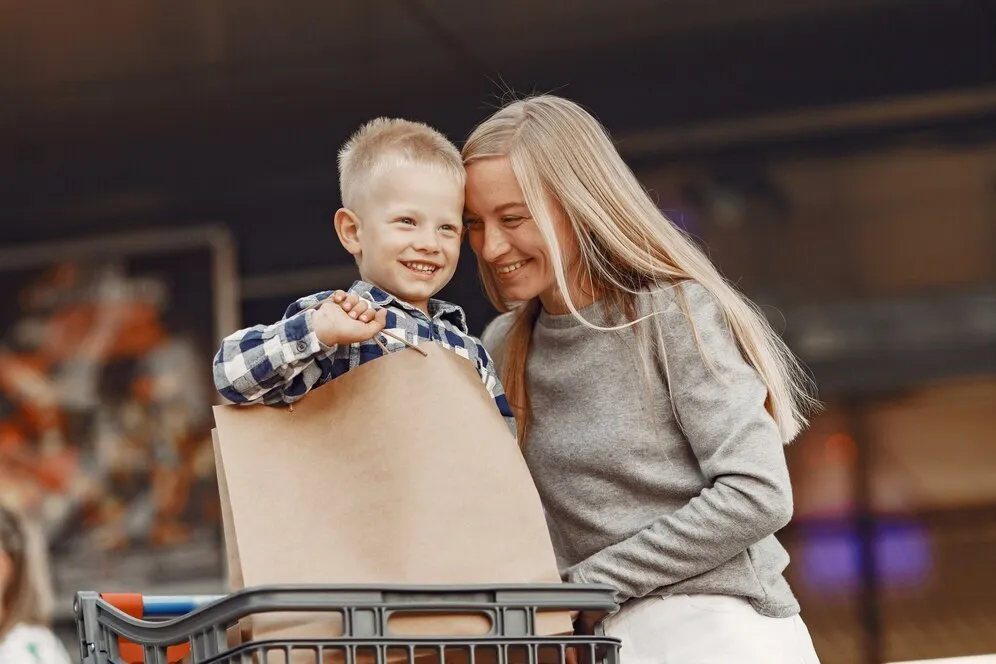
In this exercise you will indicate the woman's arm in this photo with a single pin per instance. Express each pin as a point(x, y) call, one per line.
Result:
point(720, 404)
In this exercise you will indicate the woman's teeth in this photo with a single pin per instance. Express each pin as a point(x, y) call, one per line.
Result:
point(505, 269)
point(421, 267)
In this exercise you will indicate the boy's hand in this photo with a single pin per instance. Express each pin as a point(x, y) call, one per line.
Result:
point(345, 318)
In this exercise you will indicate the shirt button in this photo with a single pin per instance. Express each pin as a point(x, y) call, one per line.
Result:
point(302, 346)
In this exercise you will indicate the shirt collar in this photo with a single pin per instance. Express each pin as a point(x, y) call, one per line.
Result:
point(438, 309)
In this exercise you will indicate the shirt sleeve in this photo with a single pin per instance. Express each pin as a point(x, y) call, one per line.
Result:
point(279, 363)
point(719, 400)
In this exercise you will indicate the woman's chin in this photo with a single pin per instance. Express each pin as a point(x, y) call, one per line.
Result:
point(517, 293)
point(521, 286)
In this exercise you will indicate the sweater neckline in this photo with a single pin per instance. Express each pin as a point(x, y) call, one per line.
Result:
point(593, 313)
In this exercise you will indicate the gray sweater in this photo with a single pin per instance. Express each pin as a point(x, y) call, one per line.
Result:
point(633, 499)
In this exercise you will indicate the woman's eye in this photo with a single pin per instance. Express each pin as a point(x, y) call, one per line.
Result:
point(470, 223)
point(511, 219)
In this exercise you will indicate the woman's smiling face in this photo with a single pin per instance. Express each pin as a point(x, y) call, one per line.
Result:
point(505, 236)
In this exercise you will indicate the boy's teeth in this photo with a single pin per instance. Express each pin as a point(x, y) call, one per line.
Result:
point(505, 269)
point(421, 267)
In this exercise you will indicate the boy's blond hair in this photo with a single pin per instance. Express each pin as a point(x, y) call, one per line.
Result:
point(386, 142)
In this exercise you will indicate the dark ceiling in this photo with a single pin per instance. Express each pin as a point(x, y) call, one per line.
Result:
point(102, 70)
point(194, 110)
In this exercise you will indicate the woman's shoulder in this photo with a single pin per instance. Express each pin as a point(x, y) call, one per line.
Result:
point(495, 331)
point(494, 334)
point(688, 297)
point(689, 316)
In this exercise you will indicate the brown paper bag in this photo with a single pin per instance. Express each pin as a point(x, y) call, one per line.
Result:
point(401, 471)
point(233, 566)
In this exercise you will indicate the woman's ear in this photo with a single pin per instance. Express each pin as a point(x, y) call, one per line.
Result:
point(347, 227)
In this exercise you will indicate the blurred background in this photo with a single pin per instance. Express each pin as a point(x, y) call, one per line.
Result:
point(167, 174)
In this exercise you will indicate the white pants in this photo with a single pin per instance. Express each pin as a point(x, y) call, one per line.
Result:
point(707, 629)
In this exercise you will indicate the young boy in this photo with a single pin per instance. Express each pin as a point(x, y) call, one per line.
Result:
point(402, 220)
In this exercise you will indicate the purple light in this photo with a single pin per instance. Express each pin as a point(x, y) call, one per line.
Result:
point(902, 553)
point(683, 219)
point(831, 555)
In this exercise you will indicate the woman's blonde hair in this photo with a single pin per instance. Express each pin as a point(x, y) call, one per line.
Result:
point(27, 595)
point(562, 156)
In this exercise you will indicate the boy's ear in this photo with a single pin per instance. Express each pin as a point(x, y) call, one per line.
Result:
point(347, 227)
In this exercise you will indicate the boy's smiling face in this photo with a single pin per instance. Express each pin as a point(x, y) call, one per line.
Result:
point(405, 231)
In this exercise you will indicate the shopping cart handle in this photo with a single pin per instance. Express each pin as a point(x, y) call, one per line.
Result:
point(158, 606)
point(166, 606)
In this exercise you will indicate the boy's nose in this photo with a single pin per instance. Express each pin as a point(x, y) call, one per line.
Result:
point(427, 241)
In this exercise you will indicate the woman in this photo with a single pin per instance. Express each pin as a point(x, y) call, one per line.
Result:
point(25, 637)
point(653, 400)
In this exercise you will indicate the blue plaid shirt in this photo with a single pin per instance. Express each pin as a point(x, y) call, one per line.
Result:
point(280, 363)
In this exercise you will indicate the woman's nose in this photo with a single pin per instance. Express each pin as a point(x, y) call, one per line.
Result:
point(495, 244)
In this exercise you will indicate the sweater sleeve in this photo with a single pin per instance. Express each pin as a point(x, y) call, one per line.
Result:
point(719, 401)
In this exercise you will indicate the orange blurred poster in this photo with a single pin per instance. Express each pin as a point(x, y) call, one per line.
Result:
point(105, 403)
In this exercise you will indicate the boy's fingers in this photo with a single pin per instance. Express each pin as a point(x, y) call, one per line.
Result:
point(377, 315)
point(376, 318)
point(358, 308)
point(338, 296)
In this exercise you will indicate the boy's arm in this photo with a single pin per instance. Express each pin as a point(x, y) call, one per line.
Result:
point(279, 363)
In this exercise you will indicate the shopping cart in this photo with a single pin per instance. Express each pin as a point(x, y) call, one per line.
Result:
point(137, 629)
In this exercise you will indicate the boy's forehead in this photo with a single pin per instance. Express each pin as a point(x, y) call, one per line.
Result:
point(418, 181)
point(393, 167)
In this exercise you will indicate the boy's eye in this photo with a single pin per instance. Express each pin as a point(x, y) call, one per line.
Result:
point(450, 228)
point(407, 220)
